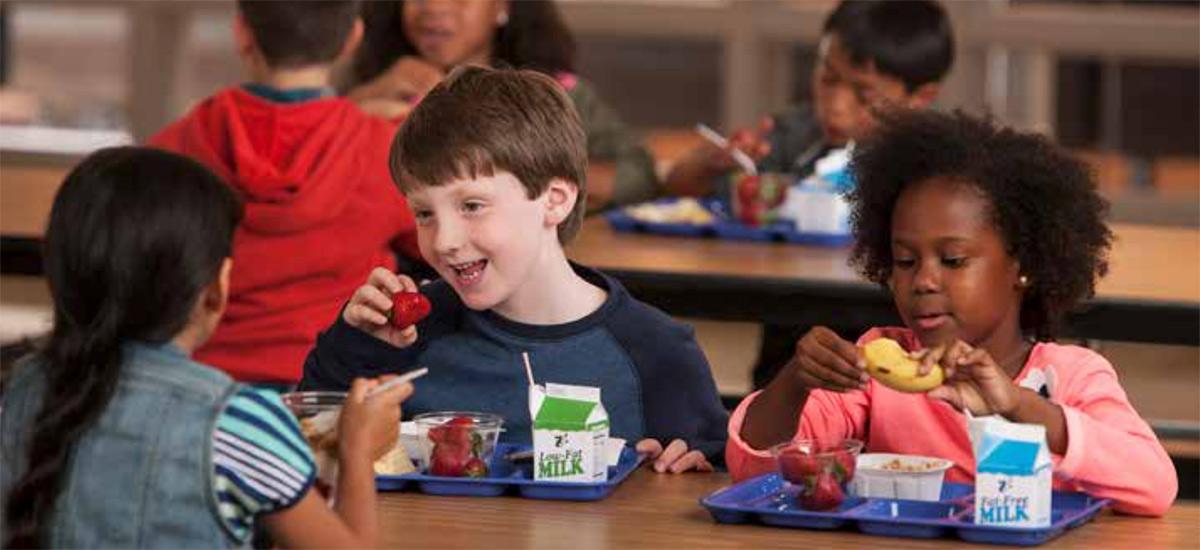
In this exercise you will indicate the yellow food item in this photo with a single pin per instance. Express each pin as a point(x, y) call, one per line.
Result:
point(888, 363)
point(396, 462)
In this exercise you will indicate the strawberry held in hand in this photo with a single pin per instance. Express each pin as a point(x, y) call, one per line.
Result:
point(408, 308)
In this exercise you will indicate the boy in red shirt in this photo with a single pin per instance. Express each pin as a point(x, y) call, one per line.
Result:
point(321, 210)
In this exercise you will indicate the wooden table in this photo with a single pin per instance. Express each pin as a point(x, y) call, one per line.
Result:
point(1152, 292)
point(663, 511)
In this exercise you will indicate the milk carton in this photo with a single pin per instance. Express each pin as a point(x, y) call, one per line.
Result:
point(817, 204)
point(1013, 473)
point(570, 434)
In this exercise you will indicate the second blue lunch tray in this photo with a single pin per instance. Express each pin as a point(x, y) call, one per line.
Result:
point(505, 477)
point(723, 227)
point(766, 499)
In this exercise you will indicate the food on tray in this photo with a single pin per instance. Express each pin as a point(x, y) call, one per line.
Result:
point(824, 494)
point(321, 432)
point(888, 363)
point(911, 466)
point(458, 449)
point(686, 210)
point(757, 197)
point(408, 308)
point(819, 469)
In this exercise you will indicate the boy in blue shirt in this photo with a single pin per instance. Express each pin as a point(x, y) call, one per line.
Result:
point(492, 163)
point(873, 55)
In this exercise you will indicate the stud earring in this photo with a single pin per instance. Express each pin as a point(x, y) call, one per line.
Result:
point(1023, 281)
point(501, 19)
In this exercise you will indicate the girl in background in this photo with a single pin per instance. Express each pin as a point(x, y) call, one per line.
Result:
point(409, 46)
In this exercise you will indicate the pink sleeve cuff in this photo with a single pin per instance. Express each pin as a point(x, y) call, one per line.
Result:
point(735, 429)
point(1077, 443)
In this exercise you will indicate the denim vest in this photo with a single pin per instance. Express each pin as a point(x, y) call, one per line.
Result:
point(142, 475)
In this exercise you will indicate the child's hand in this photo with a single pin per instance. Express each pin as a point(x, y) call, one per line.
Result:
point(675, 458)
point(370, 425)
point(752, 141)
point(824, 360)
point(369, 307)
point(411, 77)
point(974, 381)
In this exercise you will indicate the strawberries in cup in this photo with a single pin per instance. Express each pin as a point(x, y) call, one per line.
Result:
point(819, 469)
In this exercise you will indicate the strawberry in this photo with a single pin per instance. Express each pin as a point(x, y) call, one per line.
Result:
point(449, 460)
point(748, 189)
point(843, 465)
point(475, 468)
point(795, 466)
point(822, 493)
point(456, 449)
point(408, 308)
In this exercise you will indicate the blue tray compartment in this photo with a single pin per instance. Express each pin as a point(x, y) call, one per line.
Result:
point(508, 478)
point(724, 227)
point(768, 500)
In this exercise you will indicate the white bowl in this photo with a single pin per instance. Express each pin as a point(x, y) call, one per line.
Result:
point(872, 480)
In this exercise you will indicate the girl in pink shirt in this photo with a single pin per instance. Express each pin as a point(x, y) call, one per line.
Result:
point(984, 237)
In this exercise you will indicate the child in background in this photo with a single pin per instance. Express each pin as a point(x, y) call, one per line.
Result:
point(985, 238)
point(321, 210)
point(153, 449)
point(872, 54)
point(409, 46)
point(493, 163)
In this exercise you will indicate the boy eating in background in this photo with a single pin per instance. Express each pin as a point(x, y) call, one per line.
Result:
point(493, 162)
point(873, 54)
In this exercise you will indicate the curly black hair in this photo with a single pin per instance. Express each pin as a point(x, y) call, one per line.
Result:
point(1044, 203)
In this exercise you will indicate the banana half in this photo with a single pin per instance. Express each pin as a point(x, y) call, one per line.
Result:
point(888, 363)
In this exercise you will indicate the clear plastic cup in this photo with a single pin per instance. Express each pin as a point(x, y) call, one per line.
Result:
point(457, 443)
point(318, 413)
point(817, 470)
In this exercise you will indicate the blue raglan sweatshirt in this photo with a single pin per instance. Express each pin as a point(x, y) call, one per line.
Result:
point(655, 381)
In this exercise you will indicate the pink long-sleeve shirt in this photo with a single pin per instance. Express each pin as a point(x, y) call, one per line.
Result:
point(1111, 452)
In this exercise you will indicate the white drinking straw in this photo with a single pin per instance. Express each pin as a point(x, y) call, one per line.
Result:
point(528, 367)
point(719, 140)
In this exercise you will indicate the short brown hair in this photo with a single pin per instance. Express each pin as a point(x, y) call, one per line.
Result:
point(296, 33)
point(479, 120)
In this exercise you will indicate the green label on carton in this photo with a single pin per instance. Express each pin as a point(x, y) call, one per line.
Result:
point(568, 415)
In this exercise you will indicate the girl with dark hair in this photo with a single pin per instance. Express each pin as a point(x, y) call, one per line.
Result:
point(409, 46)
point(985, 238)
point(111, 436)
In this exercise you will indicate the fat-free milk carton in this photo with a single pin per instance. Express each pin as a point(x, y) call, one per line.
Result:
point(570, 434)
point(1013, 473)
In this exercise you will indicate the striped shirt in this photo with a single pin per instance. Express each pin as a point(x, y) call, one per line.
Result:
point(261, 462)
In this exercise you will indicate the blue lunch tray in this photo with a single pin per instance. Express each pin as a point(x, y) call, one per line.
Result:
point(724, 227)
point(766, 499)
point(506, 477)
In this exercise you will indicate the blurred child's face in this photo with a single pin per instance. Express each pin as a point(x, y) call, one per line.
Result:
point(952, 277)
point(845, 95)
point(486, 237)
point(448, 33)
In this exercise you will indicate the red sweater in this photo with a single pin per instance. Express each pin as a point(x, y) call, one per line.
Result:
point(321, 212)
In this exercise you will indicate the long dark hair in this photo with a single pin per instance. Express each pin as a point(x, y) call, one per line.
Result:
point(135, 235)
point(534, 38)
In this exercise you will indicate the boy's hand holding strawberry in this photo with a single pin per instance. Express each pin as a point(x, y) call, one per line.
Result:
point(387, 307)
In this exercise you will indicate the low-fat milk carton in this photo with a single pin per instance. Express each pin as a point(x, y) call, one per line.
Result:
point(570, 434)
point(1013, 473)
